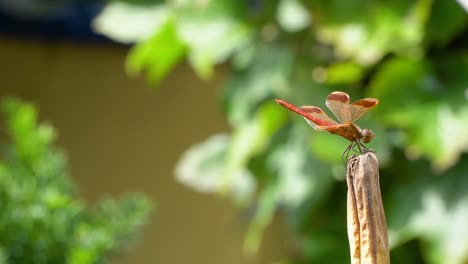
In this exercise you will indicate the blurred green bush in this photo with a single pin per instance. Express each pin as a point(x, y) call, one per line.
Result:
point(42, 220)
point(411, 55)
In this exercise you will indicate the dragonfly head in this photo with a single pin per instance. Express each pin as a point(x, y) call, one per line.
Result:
point(366, 135)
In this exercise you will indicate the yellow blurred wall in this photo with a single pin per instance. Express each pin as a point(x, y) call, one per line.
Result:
point(122, 135)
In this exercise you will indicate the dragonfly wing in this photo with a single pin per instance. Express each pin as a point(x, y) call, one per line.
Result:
point(321, 128)
point(311, 113)
point(348, 130)
point(318, 114)
point(360, 107)
point(338, 103)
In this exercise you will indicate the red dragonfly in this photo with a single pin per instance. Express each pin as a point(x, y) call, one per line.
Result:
point(338, 103)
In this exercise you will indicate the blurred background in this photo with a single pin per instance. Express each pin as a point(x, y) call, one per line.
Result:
point(145, 131)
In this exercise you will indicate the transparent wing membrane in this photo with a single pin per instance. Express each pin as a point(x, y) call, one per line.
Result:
point(317, 113)
point(360, 107)
point(338, 103)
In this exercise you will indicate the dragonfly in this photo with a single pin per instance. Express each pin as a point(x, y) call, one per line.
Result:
point(346, 113)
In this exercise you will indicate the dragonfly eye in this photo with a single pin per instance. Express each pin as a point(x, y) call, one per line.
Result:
point(367, 135)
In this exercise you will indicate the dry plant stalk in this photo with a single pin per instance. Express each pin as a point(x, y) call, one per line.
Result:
point(367, 227)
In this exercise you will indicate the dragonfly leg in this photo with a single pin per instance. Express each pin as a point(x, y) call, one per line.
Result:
point(359, 146)
point(366, 149)
point(354, 146)
point(344, 156)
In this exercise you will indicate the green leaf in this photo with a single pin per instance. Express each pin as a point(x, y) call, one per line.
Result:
point(413, 99)
point(405, 82)
point(220, 163)
point(342, 73)
point(448, 19)
point(203, 165)
point(395, 26)
point(3, 256)
point(158, 55)
point(328, 147)
point(128, 23)
point(30, 141)
point(409, 54)
point(42, 219)
point(266, 207)
point(266, 76)
point(300, 179)
point(292, 15)
point(463, 4)
point(252, 138)
point(301, 176)
point(433, 208)
point(212, 31)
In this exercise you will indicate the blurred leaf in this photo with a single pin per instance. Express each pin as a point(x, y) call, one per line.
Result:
point(252, 138)
point(300, 178)
point(220, 164)
point(159, 54)
point(410, 55)
point(266, 207)
point(128, 23)
point(41, 214)
point(292, 16)
point(348, 72)
point(412, 98)
point(203, 165)
point(213, 31)
point(327, 242)
point(140, 2)
point(448, 19)
point(434, 208)
point(328, 147)
point(30, 141)
point(266, 76)
point(405, 83)
point(301, 175)
point(463, 4)
point(394, 26)
point(3, 256)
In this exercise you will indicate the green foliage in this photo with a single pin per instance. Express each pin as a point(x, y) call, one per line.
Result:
point(411, 55)
point(211, 32)
point(159, 53)
point(42, 219)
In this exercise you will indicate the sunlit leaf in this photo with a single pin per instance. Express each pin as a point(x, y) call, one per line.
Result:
point(253, 137)
point(388, 27)
point(202, 168)
point(266, 76)
point(157, 55)
point(31, 141)
point(212, 31)
point(339, 73)
point(292, 16)
point(434, 208)
point(408, 54)
point(266, 207)
point(300, 178)
point(128, 23)
point(301, 175)
point(328, 147)
point(42, 219)
point(413, 99)
point(448, 19)
point(464, 4)
point(220, 165)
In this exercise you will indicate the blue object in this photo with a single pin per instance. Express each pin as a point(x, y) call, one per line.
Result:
point(53, 19)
